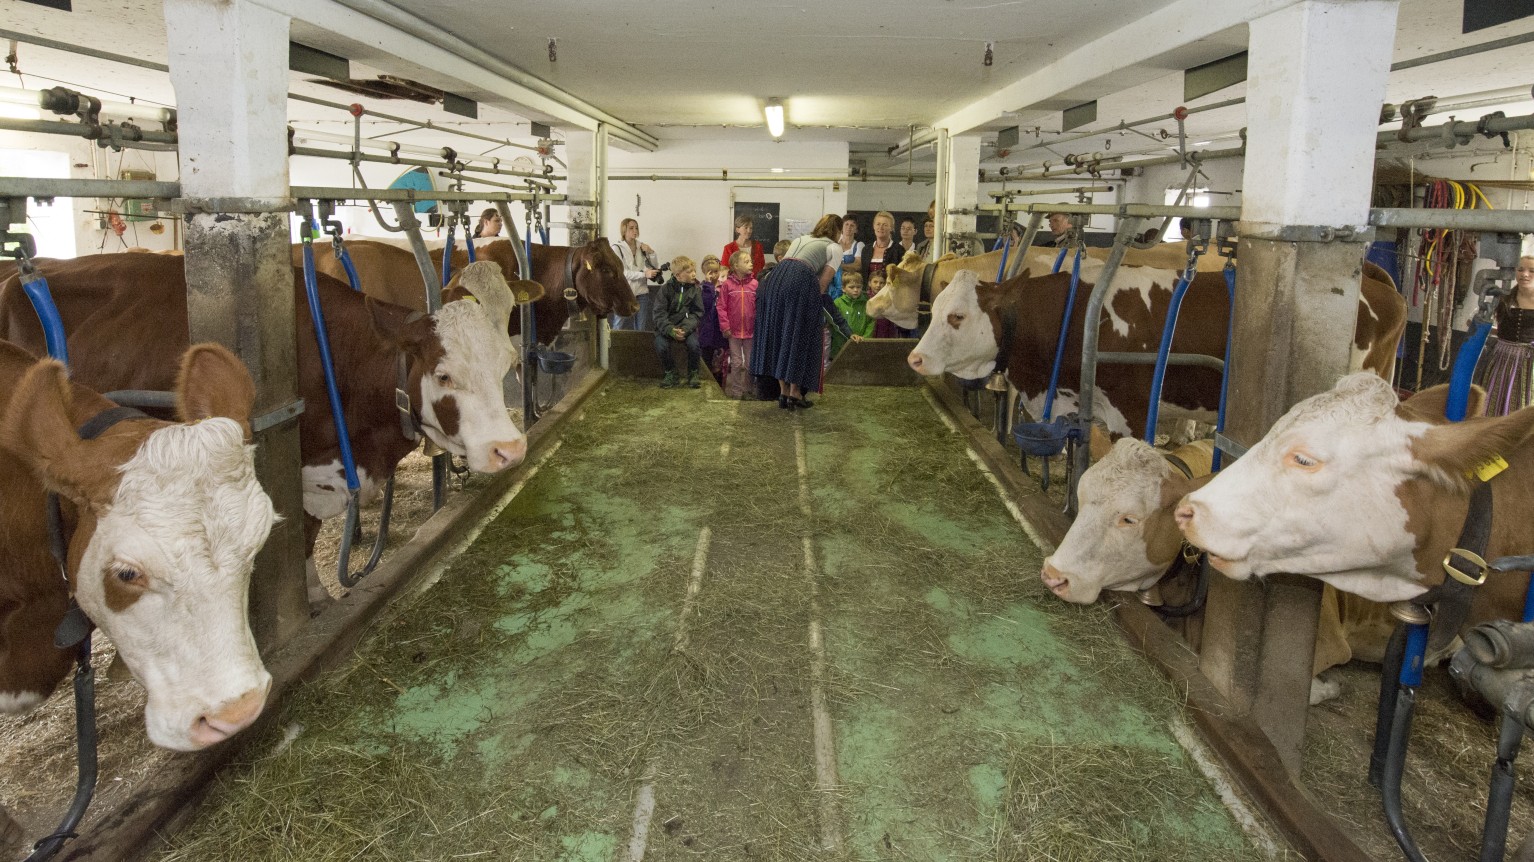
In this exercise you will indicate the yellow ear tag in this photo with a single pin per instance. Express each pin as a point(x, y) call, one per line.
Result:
point(588, 266)
point(469, 297)
point(1488, 469)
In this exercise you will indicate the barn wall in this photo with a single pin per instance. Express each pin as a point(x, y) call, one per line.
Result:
point(894, 197)
point(91, 235)
point(694, 218)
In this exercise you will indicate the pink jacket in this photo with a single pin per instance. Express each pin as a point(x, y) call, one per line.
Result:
point(737, 306)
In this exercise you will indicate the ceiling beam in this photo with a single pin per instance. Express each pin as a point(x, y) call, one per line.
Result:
point(1143, 40)
point(388, 31)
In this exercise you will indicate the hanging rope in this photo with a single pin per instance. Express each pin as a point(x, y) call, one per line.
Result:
point(1436, 276)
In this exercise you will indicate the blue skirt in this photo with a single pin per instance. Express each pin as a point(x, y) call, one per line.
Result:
point(786, 344)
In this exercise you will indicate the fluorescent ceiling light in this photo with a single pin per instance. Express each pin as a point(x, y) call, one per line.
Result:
point(774, 114)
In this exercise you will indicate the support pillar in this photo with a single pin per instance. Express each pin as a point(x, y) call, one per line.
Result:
point(940, 191)
point(229, 66)
point(586, 153)
point(961, 182)
point(1317, 71)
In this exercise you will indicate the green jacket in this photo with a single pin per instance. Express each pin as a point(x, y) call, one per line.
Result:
point(856, 312)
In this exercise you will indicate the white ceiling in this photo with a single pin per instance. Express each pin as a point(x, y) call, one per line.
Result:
point(862, 71)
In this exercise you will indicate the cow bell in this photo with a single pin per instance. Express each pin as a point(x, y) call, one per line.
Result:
point(997, 382)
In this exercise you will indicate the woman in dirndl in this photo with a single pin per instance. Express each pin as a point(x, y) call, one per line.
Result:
point(790, 304)
point(1506, 371)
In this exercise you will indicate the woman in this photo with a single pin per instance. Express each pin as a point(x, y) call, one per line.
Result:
point(883, 251)
point(489, 223)
point(852, 248)
point(787, 343)
point(1506, 371)
point(908, 234)
point(924, 248)
point(639, 266)
point(743, 242)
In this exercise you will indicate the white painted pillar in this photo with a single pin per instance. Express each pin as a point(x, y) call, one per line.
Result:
point(229, 66)
point(586, 154)
point(940, 192)
point(961, 182)
point(1317, 73)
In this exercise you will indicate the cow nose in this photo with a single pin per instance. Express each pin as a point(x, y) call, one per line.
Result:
point(916, 361)
point(230, 718)
point(1056, 580)
point(1184, 515)
point(507, 453)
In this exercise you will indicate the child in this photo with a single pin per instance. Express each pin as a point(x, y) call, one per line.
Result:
point(711, 341)
point(743, 241)
point(777, 257)
point(737, 319)
point(853, 306)
point(676, 312)
point(882, 328)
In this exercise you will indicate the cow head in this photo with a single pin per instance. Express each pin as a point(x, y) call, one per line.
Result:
point(898, 300)
point(461, 355)
point(168, 521)
point(962, 339)
point(600, 281)
point(1342, 485)
point(1124, 537)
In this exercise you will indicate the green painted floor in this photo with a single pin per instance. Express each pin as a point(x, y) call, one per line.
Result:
point(584, 674)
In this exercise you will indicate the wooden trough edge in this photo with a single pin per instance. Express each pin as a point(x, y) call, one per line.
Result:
point(133, 830)
point(1243, 747)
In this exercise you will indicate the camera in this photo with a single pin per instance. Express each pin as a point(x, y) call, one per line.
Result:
point(660, 277)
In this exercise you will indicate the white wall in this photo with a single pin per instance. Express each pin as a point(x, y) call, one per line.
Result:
point(84, 160)
point(695, 217)
point(892, 196)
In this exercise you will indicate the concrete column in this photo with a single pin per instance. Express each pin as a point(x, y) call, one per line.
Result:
point(229, 65)
point(586, 153)
point(942, 148)
point(961, 181)
point(1317, 76)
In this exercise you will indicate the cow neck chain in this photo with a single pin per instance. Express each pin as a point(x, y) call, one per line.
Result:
point(409, 419)
point(1451, 598)
point(924, 297)
point(1008, 330)
point(76, 625)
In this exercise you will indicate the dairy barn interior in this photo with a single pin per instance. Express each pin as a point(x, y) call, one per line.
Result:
point(449, 540)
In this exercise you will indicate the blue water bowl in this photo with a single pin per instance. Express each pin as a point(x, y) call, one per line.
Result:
point(1043, 439)
point(555, 361)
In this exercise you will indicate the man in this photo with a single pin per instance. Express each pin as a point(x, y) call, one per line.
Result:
point(1059, 229)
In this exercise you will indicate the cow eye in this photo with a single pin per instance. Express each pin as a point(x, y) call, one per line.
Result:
point(954, 320)
point(131, 576)
point(1128, 521)
point(444, 379)
point(1304, 461)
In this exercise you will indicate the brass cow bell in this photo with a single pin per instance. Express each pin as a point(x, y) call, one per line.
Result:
point(997, 382)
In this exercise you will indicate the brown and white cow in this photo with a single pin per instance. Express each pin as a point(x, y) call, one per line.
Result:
point(126, 319)
point(972, 322)
point(1368, 494)
point(899, 300)
point(166, 519)
point(1125, 537)
point(388, 272)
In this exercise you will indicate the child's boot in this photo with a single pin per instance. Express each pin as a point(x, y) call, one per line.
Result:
point(669, 381)
point(692, 380)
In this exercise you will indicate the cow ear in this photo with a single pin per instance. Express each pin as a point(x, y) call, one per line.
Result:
point(408, 334)
point(1448, 454)
point(213, 382)
point(1429, 404)
point(37, 427)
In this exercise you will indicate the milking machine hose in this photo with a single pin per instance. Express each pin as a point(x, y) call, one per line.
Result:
point(1464, 370)
point(36, 289)
point(85, 736)
point(1400, 734)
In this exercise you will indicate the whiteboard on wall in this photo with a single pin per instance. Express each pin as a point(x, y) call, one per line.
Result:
point(797, 206)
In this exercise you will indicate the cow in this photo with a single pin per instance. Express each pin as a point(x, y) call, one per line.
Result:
point(389, 273)
point(911, 281)
point(976, 324)
point(126, 318)
point(162, 523)
point(1124, 537)
point(1369, 495)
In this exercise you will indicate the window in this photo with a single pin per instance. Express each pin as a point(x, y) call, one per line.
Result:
point(52, 224)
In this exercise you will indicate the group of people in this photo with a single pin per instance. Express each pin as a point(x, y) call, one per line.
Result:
point(747, 318)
